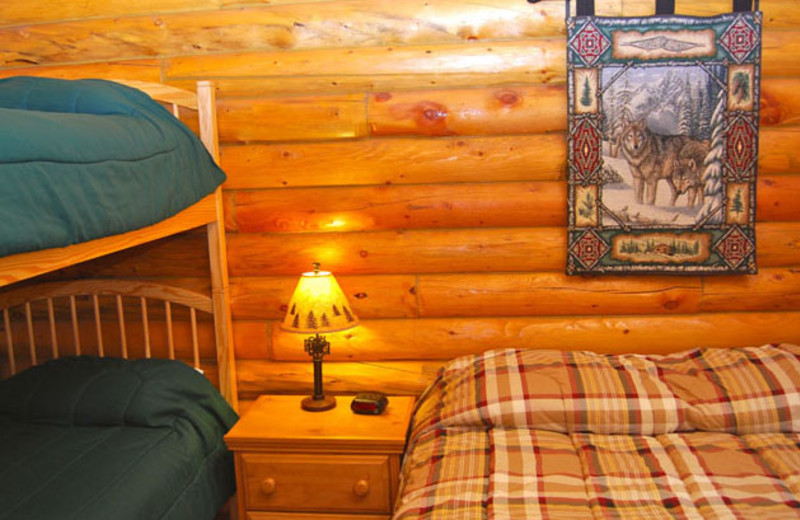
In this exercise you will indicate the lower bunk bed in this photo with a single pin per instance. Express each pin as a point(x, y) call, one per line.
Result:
point(97, 438)
point(114, 410)
point(524, 434)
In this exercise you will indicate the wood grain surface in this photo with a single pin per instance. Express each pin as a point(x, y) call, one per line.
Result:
point(418, 150)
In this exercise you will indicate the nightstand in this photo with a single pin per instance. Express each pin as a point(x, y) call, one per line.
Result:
point(293, 464)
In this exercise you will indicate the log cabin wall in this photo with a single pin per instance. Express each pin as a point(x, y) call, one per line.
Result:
point(417, 150)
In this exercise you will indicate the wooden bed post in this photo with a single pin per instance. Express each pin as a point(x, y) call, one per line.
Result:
point(217, 251)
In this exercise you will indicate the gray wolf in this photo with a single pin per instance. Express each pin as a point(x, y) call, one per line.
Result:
point(651, 158)
point(687, 173)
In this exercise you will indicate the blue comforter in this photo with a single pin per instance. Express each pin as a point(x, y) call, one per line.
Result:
point(86, 438)
point(85, 159)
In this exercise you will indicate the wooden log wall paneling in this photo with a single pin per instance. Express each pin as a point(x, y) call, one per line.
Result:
point(418, 150)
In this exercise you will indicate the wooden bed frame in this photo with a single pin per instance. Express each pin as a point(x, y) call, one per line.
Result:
point(207, 212)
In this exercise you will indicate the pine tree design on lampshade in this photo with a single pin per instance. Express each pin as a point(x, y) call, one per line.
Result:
point(318, 305)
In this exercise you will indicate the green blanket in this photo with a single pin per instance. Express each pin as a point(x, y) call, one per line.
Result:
point(93, 439)
point(85, 159)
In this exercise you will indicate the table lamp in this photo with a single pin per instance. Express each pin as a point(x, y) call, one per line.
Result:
point(318, 305)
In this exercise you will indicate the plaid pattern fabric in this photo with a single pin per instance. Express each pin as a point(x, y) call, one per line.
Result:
point(514, 473)
point(544, 434)
point(459, 474)
point(742, 390)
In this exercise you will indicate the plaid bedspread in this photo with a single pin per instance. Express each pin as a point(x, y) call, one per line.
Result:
point(709, 433)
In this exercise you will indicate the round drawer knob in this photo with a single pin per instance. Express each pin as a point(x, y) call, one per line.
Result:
point(361, 488)
point(267, 486)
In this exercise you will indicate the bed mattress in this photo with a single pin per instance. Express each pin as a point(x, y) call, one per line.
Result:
point(91, 439)
point(561, 435)
point(85, 159)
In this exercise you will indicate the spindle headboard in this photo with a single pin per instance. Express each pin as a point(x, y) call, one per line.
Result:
point(121, 318)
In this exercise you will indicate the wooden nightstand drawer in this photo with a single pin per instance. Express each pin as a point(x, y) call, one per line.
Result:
point(333, 465)
point(297, 482)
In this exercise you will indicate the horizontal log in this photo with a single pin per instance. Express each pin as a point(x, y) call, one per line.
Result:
point(777, 150)
point(496, 250)
point(278, 28)
point(411, 377)
point(412, 161)
point(777, 197)
point(395, 161)
point(399, 207)
point(443, 338)
point(331, 117)
point(255, 377)
point(511, 110)
point(31, 11)
point(342, 83)
point(293, 25)
point(384, 252)
point(775, 289)
point(445, 251)
point(163, 34)
point(518, 110)
point(778, 244)
point(179, 256)
point(251, 339)
point(554, 294)
point(472, 111)
point(541, 57)
point(779, 53)
point(389, 296)
point(141, 70)
point(364, 208)
point(283, 27)
point(780, 102)
point(537, 294)
point(531, 294)
point(777, 13)
point(397, 252)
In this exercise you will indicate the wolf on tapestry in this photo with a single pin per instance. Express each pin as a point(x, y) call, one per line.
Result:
point(663, 143)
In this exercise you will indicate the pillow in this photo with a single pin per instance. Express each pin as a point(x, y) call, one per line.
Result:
point(740, 390)
point(553, 390)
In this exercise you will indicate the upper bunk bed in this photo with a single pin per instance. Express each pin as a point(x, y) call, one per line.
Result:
point(93, 167)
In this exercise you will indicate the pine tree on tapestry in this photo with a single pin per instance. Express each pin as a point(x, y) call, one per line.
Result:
point(586, 98)
point(712, 176)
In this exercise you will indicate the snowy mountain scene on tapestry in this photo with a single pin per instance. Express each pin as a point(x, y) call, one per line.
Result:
point(660, 166)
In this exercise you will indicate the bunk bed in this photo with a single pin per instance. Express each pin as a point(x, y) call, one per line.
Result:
point(116, 393)
point(705, 433)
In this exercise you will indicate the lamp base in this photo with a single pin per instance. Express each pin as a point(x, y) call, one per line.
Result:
point(310, 404)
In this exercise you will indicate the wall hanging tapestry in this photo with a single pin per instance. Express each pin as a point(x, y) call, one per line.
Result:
point(663, 142)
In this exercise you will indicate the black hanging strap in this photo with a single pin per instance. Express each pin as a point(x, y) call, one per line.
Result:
point(665, 6)
point(585, 8)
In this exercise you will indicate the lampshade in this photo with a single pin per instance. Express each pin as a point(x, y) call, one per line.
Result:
point(318, 305)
